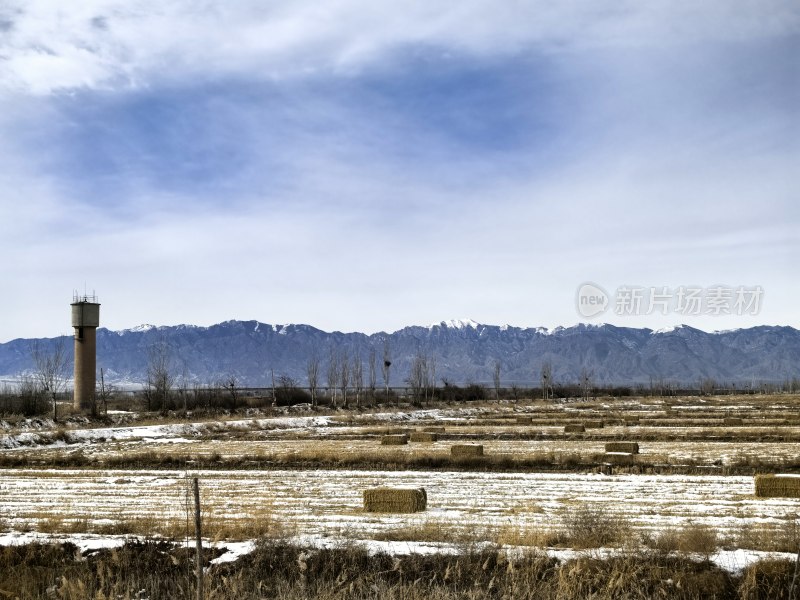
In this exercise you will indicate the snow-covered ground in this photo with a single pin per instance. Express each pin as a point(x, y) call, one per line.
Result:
point(329, 503)
point(323, 507)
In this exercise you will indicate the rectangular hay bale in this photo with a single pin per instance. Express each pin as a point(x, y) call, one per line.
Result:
point(631, 420)
point(394, 440)
point(466, 450)
point(422, 436)
point(593, 424)
point(395, 500)
point(629, 447)
point(574, 429)
point(733, 421)
point(777, 486)
point(524, 420)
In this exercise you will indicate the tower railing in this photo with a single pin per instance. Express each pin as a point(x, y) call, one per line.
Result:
point(92, 298)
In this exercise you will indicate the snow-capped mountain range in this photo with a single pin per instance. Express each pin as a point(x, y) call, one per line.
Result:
point(465, 351)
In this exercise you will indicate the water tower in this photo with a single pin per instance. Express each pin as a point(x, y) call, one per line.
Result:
point(85, 320)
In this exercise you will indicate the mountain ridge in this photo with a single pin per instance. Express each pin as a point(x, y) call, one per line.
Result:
point(465, 351)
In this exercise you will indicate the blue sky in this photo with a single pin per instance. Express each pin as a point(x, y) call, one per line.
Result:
point(357, 166)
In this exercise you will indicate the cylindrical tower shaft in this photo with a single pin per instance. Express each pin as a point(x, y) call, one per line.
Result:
point(85, 320)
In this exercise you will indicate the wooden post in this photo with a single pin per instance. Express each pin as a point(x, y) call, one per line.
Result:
point(794, 577)
point(198, 540)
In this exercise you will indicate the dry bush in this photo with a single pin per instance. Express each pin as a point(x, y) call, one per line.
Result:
point(767, 580)
point(641, 576)
point(692, 538)
point(284, 571)
point(593, 526)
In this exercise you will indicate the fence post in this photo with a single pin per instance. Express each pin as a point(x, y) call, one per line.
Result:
point(198, 540)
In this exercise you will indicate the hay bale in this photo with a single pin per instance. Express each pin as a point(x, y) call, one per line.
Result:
point(619, 458)
point(629, 447)
point(422, 436)
point(524, 420)
point(394, 440)
point(777, 486)
point(395, 500)
point(631, 420)
point(593, 424)
point(433, 429)
point(466, 450)
point(733, 421)
point(574, 429)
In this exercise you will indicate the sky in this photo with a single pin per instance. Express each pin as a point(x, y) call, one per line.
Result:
point(363, 166)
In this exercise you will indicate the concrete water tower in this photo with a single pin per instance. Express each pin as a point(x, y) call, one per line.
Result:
point(85, 320)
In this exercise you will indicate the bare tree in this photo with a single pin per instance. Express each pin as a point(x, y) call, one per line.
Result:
point(231, 383)
point(547, 380)
point(417, 376)
point(387, 364)
point(333, 375)
point(586, 383)
point(431, 375)
point(51, 369)
point(373, 375)
point(104, 391)
point(344, 376)
point(159, 374)
point(183, 386)
point(496, 379)
point(358, 378)
point(312, 371)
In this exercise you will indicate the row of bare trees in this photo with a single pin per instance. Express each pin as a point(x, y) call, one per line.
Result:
point(346, 374)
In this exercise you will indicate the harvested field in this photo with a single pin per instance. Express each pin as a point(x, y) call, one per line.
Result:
point(330, 503)
point(306, 474)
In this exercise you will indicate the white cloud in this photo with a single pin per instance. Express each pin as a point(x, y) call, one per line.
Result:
point(666, 165)
point(109, 43)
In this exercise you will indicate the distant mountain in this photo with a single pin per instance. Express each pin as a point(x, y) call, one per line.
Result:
point(465, 351)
